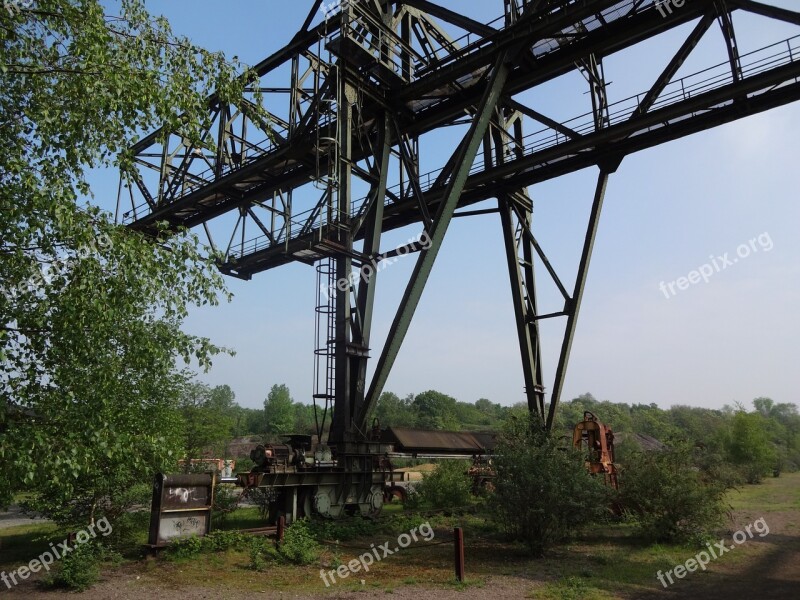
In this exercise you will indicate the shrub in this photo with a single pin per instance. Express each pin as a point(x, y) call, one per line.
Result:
point(298, 545)
point(544, 493)
point(670, 498)
point(448, 486)
point(216, 541)
point(219, 541)
point(80, 568)
point(749, 448)
point(184, 548)
point(262, 550)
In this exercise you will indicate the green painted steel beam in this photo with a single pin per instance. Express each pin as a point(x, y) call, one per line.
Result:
point(466, 154)
point(574, 304)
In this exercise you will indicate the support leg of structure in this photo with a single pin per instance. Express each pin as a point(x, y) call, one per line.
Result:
point(574, 304)
point(527, 343)
point(340, 229)
point(362, 327)
point(467, 151)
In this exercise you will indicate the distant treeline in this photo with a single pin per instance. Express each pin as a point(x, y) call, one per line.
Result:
point(760, 438)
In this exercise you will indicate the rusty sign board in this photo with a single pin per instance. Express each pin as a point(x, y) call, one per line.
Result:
point(181, 507)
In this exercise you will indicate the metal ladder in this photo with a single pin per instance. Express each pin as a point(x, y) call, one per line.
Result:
point(325, 342)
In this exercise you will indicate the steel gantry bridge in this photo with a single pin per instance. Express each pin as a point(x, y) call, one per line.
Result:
point(324, 157)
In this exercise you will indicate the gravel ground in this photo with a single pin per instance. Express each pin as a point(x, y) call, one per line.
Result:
point(771, 572)
point(127, 587)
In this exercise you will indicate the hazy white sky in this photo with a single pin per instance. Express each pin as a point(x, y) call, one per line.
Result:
point(668, 212)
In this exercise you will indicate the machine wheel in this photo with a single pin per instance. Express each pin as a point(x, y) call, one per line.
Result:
point(305, 501)
point(372, 508)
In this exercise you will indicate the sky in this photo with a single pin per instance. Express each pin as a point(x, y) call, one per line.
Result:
point(669, 211)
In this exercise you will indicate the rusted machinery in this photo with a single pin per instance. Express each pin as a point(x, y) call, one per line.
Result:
point(308, 480)
point(596, 440)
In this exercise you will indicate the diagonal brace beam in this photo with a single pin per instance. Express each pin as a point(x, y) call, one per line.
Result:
point(466, 154)
point(675, 64)
point(449, 16)
point(574, 305)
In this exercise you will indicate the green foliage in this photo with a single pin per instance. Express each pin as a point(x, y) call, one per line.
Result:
point(216, 541)
point(80, 568)
point(279, 412)
point(184, 548)
point(342, 531)
point(220, 541)
point(208, 419)
point(130, 526)
point(393, 411)
point(671, 499)
point(749, 447)
point(90, 336)
point(435, 411)
point(299, 546)
point(252, 422)
point(262, 552)
point(543, 492)
point(448, 486)
point(226, 502)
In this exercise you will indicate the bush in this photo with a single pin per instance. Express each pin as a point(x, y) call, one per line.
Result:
point(298, 545)
point(216, 541)
point(448, 486)
point(80, 568)
point(670, 498)
point(544, 493)
point(129, 532)
point(262, 550)
point(749, 447)
point(189, 547)
point(219, 541)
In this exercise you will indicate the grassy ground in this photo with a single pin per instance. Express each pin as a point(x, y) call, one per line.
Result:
point(607, 562)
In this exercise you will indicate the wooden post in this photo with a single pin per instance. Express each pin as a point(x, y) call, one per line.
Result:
point(281, 527)
point(458, 535)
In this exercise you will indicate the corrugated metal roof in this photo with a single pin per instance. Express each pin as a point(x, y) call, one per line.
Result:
point(406, 439)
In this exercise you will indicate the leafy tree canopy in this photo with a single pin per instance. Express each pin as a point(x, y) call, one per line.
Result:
point(90, 328)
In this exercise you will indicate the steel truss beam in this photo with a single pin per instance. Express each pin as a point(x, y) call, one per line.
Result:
point(369, 84)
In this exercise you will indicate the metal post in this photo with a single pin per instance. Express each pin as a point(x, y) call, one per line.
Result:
point(458, 535)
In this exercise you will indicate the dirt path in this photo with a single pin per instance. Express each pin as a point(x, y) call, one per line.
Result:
point(771, 570)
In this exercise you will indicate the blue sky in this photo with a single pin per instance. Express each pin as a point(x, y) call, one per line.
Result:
point(668, 211)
